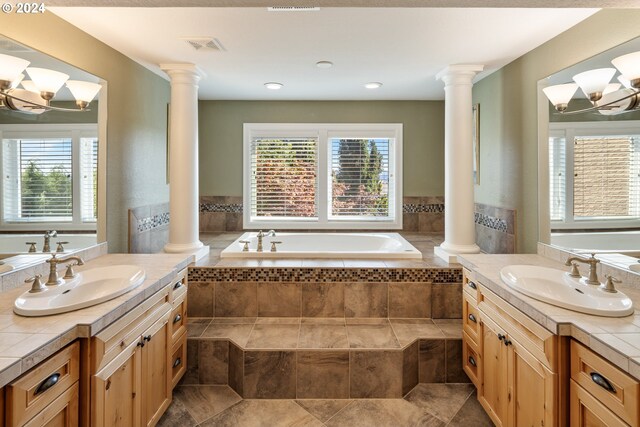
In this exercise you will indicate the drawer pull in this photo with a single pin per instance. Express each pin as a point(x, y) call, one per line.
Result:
point(177, 318)
point(602, 382)
point(473, 318)
point(47, 383)
point(472, 286)
point(140, 344)
point(177, 362)
point(472, 361)
point(178, 285)
point(501, 337)
point(147, 338)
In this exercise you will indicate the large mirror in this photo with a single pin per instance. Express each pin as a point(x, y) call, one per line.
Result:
point(52, 163)
point(589, 174)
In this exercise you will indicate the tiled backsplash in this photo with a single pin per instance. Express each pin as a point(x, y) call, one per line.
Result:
point(148, 228)
point(495, 229)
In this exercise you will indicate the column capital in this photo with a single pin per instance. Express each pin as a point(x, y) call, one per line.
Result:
point(460, 72)
point(175, 69)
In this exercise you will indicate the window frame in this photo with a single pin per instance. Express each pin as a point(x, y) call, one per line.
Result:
point(569, 131)
point(324, 132)
point(76, 132)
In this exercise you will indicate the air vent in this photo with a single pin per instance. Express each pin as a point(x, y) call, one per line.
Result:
point(204, 43)
point(12, 47)
point(293, 9)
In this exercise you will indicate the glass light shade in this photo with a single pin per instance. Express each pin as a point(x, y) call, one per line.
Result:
point(594, 81)
point(611, 87)
point(11, 67)
point(625, 82)
point(83, 91)
point(560, 94)
point(629, 65)
point(30, 86)
point(47, 80)
point(16, 82)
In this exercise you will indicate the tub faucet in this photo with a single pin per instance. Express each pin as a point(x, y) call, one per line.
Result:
point(47, 240)
point(53, 268)
point(271, 233)
point(593, 261)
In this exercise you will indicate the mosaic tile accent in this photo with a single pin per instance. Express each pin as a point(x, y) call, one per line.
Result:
point(155, 221)
point(435, 275)
point(221, 207)
point(419, 207)
point(490, 222)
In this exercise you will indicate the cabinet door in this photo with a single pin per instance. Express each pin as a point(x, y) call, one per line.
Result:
point(493, 391)
point(587, 411)
point(532, 389)
point(115, 390)
point(156, 374)
point(62, 412)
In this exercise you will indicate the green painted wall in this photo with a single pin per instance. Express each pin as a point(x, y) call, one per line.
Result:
point(221, 137)
point(508, 119)
point(137, 113)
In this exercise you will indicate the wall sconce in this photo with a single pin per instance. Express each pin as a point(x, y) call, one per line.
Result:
point(37, 93)
point(607, 98)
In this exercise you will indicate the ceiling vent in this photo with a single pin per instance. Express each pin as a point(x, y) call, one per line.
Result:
point(293, 9)
point(204, 43)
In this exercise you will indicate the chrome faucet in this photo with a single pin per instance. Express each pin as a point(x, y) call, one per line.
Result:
point(53, 269)
point(592, 261)
point(47, 239)
point(260, 236)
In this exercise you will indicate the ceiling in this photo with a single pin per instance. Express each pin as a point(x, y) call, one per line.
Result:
point(404, 48)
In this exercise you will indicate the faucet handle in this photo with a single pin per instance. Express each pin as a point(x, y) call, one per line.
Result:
point(60, 248)
point(609, 285)
point(274, 248)
point(245, 248)
point(574, 270)
point(70, 274)
point(32, 247)
point(37, 284)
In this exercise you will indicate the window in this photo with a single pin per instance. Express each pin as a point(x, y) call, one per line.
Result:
point(595, 175)
point(323, 176)
point(49, 175)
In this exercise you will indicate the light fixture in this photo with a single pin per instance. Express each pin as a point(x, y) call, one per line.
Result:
point(41, 89)
point(273, 85)
point(324, 64)
point(606, 98)
point(373, 85)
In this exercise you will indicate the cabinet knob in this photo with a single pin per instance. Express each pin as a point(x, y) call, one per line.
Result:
point(147, 338)
point(177, 362)
point(507, 342)
point(602, 382)
point(108, 385)
point(472, 285)
point(472, 361)
point(177, 318)
point(140, 344)
point(473, 318)
point(501, 337)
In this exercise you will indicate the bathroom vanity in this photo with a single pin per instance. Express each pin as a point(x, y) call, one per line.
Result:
point(113, 364)
point(537, 364)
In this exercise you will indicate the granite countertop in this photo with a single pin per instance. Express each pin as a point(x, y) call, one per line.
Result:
point(26, 341)
point(616, 339)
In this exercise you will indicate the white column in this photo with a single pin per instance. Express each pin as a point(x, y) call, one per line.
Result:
point(459, 226)
point(183, 160)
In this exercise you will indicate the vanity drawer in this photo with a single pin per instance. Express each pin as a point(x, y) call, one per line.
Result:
point(613, 388)
point(32, 393)
point(178, 359)
point(470, 318)
point(178, 319)
point(471, 359)
point(587, 411)
point(469, 285)
point(178, 286)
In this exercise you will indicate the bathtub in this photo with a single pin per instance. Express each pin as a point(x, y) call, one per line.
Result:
point(16, 243)
point(623, 242)
point(325, 245)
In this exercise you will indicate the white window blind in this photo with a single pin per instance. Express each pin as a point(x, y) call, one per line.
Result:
point(284, 177)
point(38, 179)
point(606, 177)
point(88, 178)
point(360, 178)
point(557, 178)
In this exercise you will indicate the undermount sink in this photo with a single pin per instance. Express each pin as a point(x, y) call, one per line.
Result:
point(89, 287)
point(556, 287)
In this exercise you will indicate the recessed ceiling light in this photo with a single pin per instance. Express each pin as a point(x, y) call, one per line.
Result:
point(324, 64)
point(373, 85)
point(273, 85)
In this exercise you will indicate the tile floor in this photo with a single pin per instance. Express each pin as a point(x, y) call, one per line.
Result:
point(429, 405)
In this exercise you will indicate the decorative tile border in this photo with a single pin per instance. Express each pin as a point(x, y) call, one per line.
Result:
point(155, 221)
point(221, 207)
point(419, 207)
point(261, 274)
point(490, 222)
point(238, 208)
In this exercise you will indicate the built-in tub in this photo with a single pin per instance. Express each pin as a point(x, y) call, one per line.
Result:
point(623, 242)
point(325, 245)
point(16, 243)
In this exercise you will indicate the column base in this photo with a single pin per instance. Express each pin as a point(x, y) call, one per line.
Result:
point(449, 253)
point(195, 248)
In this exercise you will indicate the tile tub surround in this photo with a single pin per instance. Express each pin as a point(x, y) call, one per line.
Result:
point(26, 341)
point(148, 228)
point(495, 229)
point(616, 339)
point(327, 358)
